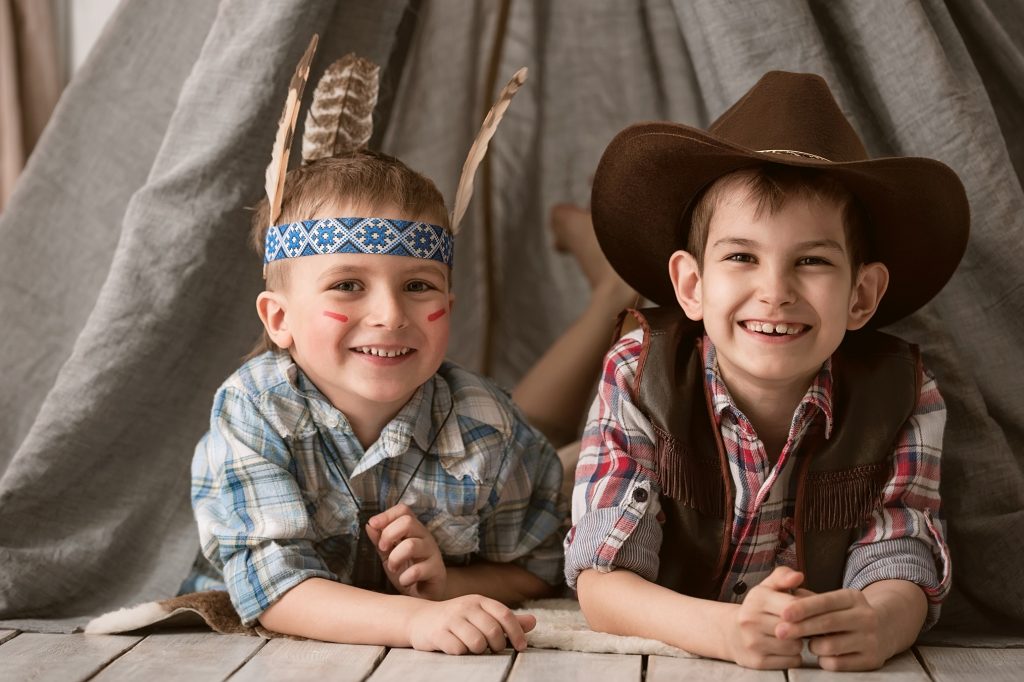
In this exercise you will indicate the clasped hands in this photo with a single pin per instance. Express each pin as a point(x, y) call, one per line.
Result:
point(842, 628)
point(413, 564)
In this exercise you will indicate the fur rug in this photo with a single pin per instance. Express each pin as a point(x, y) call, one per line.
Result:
point(560, 624)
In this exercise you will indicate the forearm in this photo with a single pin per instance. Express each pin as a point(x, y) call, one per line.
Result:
point(333, 612)
point(623, 603)
point(902, 608)
point(508, 583)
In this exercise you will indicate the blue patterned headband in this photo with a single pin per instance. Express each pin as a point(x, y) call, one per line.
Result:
point(379, 236)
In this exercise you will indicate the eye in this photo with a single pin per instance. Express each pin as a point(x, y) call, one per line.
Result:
point(419, 286)
point(813, 260)
point(348, 285)
point(740, 258)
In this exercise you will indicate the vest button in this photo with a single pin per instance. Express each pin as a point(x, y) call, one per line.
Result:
point(739, 588)
point(639, 495)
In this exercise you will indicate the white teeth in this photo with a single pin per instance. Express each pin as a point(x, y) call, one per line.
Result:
point(769, 328)
point(381, 353)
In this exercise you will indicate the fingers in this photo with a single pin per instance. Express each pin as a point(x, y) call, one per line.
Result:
point(407, 526)
point(374, 536)
point(859, 661)
point(422, 572)
point(819, 604)
point(515, 627)
point(470, 635)
point(526, 621)
point(774, 603)
point(491, 624)
point(847, 651)
point(450, 643)
point(409, 551)
point(837, 644)
point(768, 653)
point(380, 521)
point(490, 628)
point(783, 579)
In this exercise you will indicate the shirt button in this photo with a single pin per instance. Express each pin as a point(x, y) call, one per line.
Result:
point(639, 495)
point(739, 588)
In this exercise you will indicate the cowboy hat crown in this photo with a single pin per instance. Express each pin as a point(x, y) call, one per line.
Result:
point(652, 173)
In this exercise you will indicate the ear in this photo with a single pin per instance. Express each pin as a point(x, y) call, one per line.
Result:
point(872, 281)
point(686, 281)
point(271, 307)
point(451, 302)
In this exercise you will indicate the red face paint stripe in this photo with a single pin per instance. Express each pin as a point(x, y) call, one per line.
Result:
point(436, 316)
point(335, 316)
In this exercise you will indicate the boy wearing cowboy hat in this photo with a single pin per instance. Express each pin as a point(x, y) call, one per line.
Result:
point(761, 466)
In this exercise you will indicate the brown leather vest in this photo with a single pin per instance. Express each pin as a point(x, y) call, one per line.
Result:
point(875, 384)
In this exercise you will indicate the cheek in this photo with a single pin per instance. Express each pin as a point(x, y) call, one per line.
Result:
point(336, 316)
point(436, 315)
point(439, 332)
point(325, 330)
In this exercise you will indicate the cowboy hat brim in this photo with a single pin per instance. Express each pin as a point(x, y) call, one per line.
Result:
point(651, 173)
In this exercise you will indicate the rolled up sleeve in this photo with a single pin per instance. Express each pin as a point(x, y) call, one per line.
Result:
point(904, 539)
point(615, 503)
point(253, 524)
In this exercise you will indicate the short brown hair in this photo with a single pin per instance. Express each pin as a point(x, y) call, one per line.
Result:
point(771, 186)
point(364, 179)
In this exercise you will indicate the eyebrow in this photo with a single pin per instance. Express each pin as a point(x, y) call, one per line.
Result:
point(355, 270)
point(830, 244)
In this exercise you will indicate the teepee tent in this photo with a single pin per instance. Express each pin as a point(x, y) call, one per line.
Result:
point(127, 288)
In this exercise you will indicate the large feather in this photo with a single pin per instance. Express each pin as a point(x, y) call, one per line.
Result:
point(285, 130)
point(478, 150)
point(340, 119)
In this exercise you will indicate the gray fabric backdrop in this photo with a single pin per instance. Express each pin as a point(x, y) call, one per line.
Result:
point(126, 288)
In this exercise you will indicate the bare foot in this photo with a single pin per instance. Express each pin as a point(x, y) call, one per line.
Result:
point(574, 234)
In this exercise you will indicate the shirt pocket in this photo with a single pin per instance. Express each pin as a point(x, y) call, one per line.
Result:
point(458, 537)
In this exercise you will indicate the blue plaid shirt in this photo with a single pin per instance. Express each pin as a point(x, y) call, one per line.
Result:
point(273, 509)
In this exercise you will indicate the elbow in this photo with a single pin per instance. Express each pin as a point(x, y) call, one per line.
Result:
point(269, 621)
point(599, 616)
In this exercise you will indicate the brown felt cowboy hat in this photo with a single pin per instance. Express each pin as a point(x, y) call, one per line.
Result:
point(650, 175)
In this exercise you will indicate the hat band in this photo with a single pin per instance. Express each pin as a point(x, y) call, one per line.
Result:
point(376, 236)
point(793, 152)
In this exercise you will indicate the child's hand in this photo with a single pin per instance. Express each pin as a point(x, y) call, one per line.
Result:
point(755, 644)
point(468, 624)
point(411, 557)
point(844, 629)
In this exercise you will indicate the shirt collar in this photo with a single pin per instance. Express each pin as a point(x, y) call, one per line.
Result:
point(321, 409)
point(818, 395)
point(418, 420)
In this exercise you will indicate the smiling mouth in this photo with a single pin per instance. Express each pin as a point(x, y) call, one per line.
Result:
point(383, 352)
point(774, 328)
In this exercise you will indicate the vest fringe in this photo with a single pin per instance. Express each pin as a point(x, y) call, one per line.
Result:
point(688, 478)
point(844, 499)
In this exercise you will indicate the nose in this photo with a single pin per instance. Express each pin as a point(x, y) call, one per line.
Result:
point(776, 287)
point(387, 310)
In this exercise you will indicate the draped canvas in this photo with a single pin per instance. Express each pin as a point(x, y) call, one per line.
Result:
point(126, 287)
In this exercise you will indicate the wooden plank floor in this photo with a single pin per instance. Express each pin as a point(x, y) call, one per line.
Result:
point(197, 656)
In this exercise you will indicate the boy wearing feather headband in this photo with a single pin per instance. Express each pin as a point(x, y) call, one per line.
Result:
point(354, 486)
point(761, 466)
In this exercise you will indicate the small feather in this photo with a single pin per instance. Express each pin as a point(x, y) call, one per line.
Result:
point(478, 150)
point(340, 119)
point(285, 130)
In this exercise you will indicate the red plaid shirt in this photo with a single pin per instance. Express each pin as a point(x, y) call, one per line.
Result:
point(614, 526)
